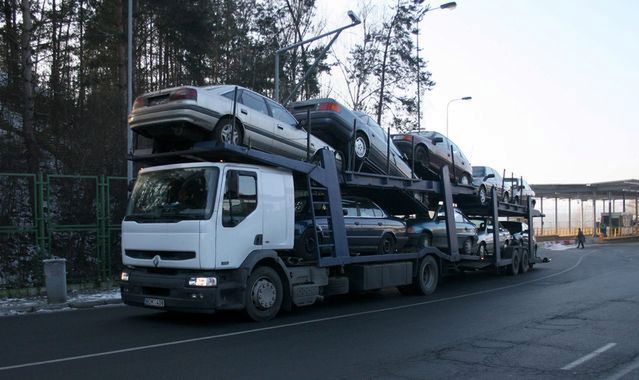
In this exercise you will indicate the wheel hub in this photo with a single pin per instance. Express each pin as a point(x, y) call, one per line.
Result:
point(360, 147)
point(229, 134)
point(263, 294)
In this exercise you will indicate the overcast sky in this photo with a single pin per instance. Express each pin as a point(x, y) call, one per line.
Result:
point(553, 84)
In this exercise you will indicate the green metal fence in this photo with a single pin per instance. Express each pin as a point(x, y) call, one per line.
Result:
point(74, 217)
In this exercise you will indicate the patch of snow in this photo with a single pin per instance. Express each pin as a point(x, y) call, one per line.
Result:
point(558, 246)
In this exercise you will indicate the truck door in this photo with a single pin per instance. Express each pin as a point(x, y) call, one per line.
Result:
point(239, 226)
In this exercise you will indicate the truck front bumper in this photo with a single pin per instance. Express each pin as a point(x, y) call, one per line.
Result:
point(169, 290)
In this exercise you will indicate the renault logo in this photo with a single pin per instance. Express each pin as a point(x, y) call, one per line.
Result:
point(156, 261)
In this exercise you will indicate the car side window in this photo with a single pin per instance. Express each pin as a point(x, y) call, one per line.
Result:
point(350, 208)
point(281, 114)
point(367, 209)
point(255, 102)
point(240, 197)
point(230, 94)
point(459, 218)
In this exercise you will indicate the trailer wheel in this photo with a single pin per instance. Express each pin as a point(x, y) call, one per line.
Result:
point(226, 132)
point(482, 251)
point(386, 245)
point(264, 294)
point(525, 262)
point(513, 268)
point(427, 276)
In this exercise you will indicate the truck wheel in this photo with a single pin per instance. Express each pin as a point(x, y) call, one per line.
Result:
point(525, 262)
point(513, 269)
point(264, 294)
point(226, 132)
point(386, 245)
point(427, 276)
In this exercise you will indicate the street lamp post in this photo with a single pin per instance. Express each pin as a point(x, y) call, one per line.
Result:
point(450, 6)
point(448, 109)
point(276, 93)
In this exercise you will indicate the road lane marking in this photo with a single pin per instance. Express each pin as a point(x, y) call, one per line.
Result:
point(591, 355)
point(624, 371)
point(287, 325)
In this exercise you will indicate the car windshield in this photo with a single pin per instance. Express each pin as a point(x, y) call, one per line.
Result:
point(479, 171)
point(173, 195)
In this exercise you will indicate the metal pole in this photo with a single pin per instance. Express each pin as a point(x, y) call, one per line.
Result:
point(594, 215)
point(276, 91)
point(569, 217)
point(129, 96)
point(556, 220)
point(419, 72)
point(542, 213)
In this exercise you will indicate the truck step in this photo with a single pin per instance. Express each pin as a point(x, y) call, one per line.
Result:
point(305, 294)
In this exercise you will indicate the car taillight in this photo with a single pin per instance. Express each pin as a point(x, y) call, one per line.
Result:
point(329, 106)
point(139, 102)
point(184, 94)
point(408, 137)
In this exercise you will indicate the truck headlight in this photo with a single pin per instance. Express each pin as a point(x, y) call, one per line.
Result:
point(124, 276)
point(203, 282)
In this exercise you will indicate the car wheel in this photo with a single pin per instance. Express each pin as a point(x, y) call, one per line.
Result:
point(467, 247)
point(386, 245)
point(465, 179)
point(517, 199)
point(264, 294)
point(506, 197)
point(226, 132)
point(426, 240)
point(421, 156)
point(482, 251)
point(361, 146)
point(339, 160)
point(482, 195)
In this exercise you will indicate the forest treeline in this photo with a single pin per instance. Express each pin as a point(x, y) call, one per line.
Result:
point(63, 67)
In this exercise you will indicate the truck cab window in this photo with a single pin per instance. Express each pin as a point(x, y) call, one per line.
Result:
point(240, 197)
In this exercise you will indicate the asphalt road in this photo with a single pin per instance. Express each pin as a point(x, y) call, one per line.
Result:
point(576, 317)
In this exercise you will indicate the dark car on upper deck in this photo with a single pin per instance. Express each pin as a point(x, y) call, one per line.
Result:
point(333, 122)
point(430, 151)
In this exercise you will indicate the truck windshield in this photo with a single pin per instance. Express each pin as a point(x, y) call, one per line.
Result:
point(167, 196)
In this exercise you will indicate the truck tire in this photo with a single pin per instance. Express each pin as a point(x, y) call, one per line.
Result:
point(525, 261)
point(264, 294)
point(427, 276)
point(361, 146)
point(513, 268)
point(421, 156)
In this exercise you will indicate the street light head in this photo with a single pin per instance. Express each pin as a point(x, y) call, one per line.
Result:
point(450, 6)
point(354, 18)
point(467, 98)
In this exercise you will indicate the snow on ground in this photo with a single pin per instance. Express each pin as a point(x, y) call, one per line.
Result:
point(558, 246)
point(75, 299)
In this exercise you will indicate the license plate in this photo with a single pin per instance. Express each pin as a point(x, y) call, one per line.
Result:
point(154, 302)
point(158, 100)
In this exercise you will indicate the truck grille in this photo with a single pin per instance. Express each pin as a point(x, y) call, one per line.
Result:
point(164, 255)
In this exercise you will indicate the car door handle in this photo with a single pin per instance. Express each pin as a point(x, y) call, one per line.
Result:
point(280, 127)
point(356, 223)
point(379, 223)
point(243, 111)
